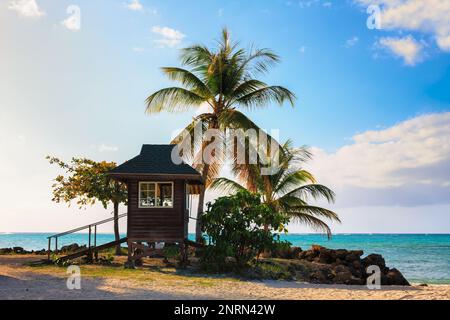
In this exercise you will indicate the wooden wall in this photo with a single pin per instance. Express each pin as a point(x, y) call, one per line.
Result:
point(157, 224)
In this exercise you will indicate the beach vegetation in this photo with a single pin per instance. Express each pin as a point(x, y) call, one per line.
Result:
point(86, 182)
point(234, 225)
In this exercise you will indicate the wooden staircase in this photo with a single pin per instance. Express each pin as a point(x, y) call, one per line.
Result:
point(92, 249)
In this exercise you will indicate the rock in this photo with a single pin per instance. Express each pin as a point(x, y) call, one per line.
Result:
point(302, 255)
point(357, 265)
point(289, 253)
point(395, 278)
point(18, 250)
point(319, 276)
point(341, 254)
point(342, 277)
point(316, 247)
point(353, 255)
point(322, 265)
point(295, 251)
point(423, 285)
point(70, 248)
point(326, 256)
point(5, 251)
point(309, 255)
point(374, 259)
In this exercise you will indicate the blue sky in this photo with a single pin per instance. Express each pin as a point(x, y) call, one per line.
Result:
point(72, 90)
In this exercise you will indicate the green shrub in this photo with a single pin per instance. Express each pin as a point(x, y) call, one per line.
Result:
point(235, 228)
point(272, 270)
point(171, 251)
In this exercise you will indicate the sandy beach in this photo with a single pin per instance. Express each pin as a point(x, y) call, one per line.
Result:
point(18, 281)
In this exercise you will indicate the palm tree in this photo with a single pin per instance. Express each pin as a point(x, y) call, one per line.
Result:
point(288, 190)
point(224, 79)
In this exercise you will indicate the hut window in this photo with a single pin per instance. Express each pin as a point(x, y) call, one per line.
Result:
point(155, 194)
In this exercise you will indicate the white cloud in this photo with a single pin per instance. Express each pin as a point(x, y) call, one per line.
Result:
point(351, 42)
point(302, 49)
point(406, 164)
point(106, 148)
point(407, 48)
point(429, 16)
point(170, 37)
point(134, 5)
point(26, 8)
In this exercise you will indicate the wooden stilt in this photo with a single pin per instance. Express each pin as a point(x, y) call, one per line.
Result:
point(130, 262)
point(183, 254)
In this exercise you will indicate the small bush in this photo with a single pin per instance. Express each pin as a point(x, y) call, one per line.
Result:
point(236, 233)
point(171, 252)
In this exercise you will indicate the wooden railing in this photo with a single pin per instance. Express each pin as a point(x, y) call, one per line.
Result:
point(92, 228)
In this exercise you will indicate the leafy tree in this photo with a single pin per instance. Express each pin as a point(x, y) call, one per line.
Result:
point(233, 225)
point(288, 190)
point(87, 182)
point(224, 79)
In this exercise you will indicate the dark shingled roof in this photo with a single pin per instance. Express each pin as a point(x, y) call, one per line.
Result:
point(154, 159)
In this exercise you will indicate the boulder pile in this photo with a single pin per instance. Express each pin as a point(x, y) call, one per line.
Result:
point(71, 248)
point(328, 266)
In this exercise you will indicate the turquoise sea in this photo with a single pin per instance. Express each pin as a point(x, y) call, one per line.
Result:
point(420, 257)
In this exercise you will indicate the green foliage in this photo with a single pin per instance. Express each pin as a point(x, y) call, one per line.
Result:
point(86, 181)
point(105, 260)
point(234, 226)
point(171, 251)
point(288, 190)
point(111, 251)
point(282, 246)
point(271, 270)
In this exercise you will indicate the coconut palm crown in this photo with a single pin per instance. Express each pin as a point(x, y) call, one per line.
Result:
point(224, 79)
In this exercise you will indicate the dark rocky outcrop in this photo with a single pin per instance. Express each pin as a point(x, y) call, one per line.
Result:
point(288, 253)
point(6, 251)
point(71, 248)
point(328, 266)
point(20, 250)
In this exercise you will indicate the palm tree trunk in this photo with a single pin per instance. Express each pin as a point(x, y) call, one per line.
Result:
point(201, 203)
point(116, 226)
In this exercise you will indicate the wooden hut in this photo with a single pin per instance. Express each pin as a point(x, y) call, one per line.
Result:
point(159, 189)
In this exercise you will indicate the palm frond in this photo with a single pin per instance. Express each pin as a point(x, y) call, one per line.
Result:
point(314, 191)
point(266, 95)
point(196, 56)
point(246, 87)
point(259, 61)
point(189, 80)
point(311, 221)
point(315, 211)
point(292, 179)
point(226, 185)
point(173, 99)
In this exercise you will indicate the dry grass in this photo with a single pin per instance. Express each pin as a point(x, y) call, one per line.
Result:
point(152, 271)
